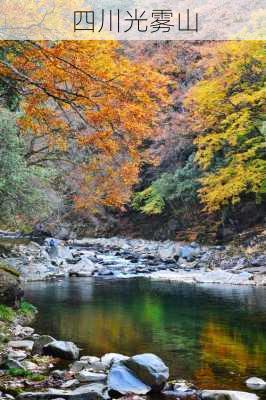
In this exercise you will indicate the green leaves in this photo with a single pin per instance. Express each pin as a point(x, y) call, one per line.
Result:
point(179, 188)
point(22, 187)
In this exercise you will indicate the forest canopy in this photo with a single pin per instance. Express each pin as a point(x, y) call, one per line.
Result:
point(102, 125)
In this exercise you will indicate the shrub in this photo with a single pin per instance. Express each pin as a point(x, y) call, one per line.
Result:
point(7, 314)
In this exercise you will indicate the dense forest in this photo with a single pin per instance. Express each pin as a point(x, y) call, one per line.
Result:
point(150, 139)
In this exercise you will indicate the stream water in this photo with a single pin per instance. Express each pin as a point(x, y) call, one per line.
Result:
point(213, 335)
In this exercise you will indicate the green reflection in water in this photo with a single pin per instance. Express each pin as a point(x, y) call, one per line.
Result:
point(213, 335)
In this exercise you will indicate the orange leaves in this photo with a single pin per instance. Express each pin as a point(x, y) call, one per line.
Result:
point(87, 93)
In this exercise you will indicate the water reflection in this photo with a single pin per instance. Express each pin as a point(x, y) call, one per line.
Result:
point(211, 334)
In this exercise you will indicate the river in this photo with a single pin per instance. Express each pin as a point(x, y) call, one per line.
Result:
point(212, 335)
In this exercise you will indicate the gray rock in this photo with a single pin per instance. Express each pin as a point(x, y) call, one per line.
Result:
point(17, 354)
point(24, 331)
point(98, 366)
point(189, 252)
point(61, 349)
point(169, 252)
point(81, 272)
point(70, 384)
point(90, 359)
point(21, 344)
point(256, 383)
point(59, 398)
point(105, 272)
point(150, 369)
point(13, 364)
point(229, 263)
point(40, 342)
point(88, 376)
point(122, 380)
point(178, 394)
point(227, 395)
point(259, 260)
point(30, 366)
point(8, 396)
point(85, 392)
point(109, 359)
point(91, 362)
point(183, 386)
point(78, 366)
point(58, 373)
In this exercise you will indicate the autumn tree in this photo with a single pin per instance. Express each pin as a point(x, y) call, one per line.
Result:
point(228, 115)
point(87, 95)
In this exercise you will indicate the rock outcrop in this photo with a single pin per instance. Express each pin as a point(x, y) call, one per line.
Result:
point(61, 349)
point(10, 289)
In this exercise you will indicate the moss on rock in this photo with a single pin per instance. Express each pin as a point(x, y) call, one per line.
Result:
point(10, 289)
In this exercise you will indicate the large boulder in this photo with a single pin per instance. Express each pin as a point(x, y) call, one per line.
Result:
point(10, 290)
point(150, 369)
point(121, 380)
point(227, 395)
point(61, 349)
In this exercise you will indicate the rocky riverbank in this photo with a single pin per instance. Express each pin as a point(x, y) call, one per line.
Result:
point(240, 263)
point(39, 367)
point(34, 366)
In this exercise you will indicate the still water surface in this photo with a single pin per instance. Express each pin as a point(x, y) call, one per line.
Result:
point(212, 335)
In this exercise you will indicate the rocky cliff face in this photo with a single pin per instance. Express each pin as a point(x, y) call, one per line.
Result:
point(10, 290)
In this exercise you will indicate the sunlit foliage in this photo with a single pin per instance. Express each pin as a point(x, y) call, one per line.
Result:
point(88, 93)
point(228, 113)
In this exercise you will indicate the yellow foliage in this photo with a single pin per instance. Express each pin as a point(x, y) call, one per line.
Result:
point(228, 113)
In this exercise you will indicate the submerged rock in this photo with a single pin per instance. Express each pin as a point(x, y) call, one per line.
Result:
point(61, 349)
point(121, 380)
point(150, 369)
